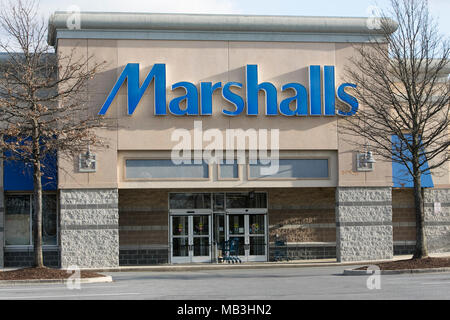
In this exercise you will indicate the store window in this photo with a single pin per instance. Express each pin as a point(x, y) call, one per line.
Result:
point(256, 200)
point(18, 220)
point(293, 169)
point(164, 169)
point(190, 200)
point(229, 170)
point(219, 201)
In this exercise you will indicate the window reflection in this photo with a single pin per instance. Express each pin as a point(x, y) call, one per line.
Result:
point(18, 216)
point(190, 200)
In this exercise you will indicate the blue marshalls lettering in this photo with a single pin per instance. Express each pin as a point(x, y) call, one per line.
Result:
point(318, 100)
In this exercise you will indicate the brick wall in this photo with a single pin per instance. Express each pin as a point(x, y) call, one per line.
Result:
point(403, 215)
point(305, 219)
point(403, 221)
point(25, 258)
point(143, 227)
point(302, 215)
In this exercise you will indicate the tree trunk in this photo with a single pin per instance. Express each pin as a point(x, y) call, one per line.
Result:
point(421, 250)
point(37, 216)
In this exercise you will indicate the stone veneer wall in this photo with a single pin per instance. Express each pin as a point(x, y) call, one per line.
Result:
point(364, 223)
point(437, 224)
point(143, 227)
point(89, 228)
point(305, 219)
point(403, 221)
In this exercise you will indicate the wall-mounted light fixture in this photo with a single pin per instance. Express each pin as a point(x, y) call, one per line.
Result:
point(365, 160)
point(87, 162)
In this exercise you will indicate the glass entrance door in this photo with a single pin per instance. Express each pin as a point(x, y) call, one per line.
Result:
point(201, 238)
point(180, 239)
point(236, 231)
point(249, 229)
point(256, 237)
point(219, 235)
point(190, 238)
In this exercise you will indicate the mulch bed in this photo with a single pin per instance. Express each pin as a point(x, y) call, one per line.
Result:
point(43, 273)
point(425, 263)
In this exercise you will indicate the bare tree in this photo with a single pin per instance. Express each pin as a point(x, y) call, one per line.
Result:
point(404, 93)
point(43, 100)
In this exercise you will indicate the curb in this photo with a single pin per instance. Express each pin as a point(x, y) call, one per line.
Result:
point(351, 272)
point(171, 268)
point(104, 279)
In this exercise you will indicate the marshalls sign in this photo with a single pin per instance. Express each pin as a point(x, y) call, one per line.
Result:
point(318, 100)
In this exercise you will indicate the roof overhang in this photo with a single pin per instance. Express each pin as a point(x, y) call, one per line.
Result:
point(113, 25)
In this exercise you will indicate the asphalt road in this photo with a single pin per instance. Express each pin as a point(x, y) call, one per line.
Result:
point(274, 283)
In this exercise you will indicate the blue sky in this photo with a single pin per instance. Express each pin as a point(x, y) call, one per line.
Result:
point(352, 8)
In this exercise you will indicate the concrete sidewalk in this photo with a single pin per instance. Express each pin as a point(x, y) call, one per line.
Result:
point(244, 265)
point(255, 265)
point(248, 265)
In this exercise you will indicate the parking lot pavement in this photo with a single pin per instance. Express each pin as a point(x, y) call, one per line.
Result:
point(273, 284)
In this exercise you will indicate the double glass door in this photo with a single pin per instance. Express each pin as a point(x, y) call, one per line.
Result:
point(191, 237)
point(249, 229)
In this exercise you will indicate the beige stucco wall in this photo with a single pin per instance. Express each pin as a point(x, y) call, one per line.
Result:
point(198, 61)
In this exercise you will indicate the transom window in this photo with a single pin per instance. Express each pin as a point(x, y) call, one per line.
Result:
point(218, 201)
point(292, 169)
point(164, 169)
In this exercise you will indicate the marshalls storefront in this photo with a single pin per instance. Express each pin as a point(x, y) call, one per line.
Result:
point(227, 129)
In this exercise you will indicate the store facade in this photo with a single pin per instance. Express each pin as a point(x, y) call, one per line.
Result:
point(252, 87)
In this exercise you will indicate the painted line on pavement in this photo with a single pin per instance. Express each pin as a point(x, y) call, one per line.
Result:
point(83, 286)
point(71, 296)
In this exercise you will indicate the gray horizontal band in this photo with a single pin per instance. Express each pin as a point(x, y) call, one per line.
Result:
point(363, 223)
point(304, 226)
point(143, 228)
point(426, 205)
point(403, 224)
point(364, 204)
point(90, 227)
point(308, 244)
point(211, 36)
point(437, 223)
point(143, 210)
point(427, 223)
point(431, 205)
point(304, 207)
point(89, 206)
point(145, 247)
point(404, 243)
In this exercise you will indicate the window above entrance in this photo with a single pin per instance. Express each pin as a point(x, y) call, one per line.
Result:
point(164, 169)
point(220, 201)
point(190, 200)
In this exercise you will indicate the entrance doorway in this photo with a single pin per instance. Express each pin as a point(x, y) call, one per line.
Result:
point(200, 223)
point(191, 237)
point(249, 228)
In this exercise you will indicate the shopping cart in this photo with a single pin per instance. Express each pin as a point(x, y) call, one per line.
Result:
point(231, 251)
